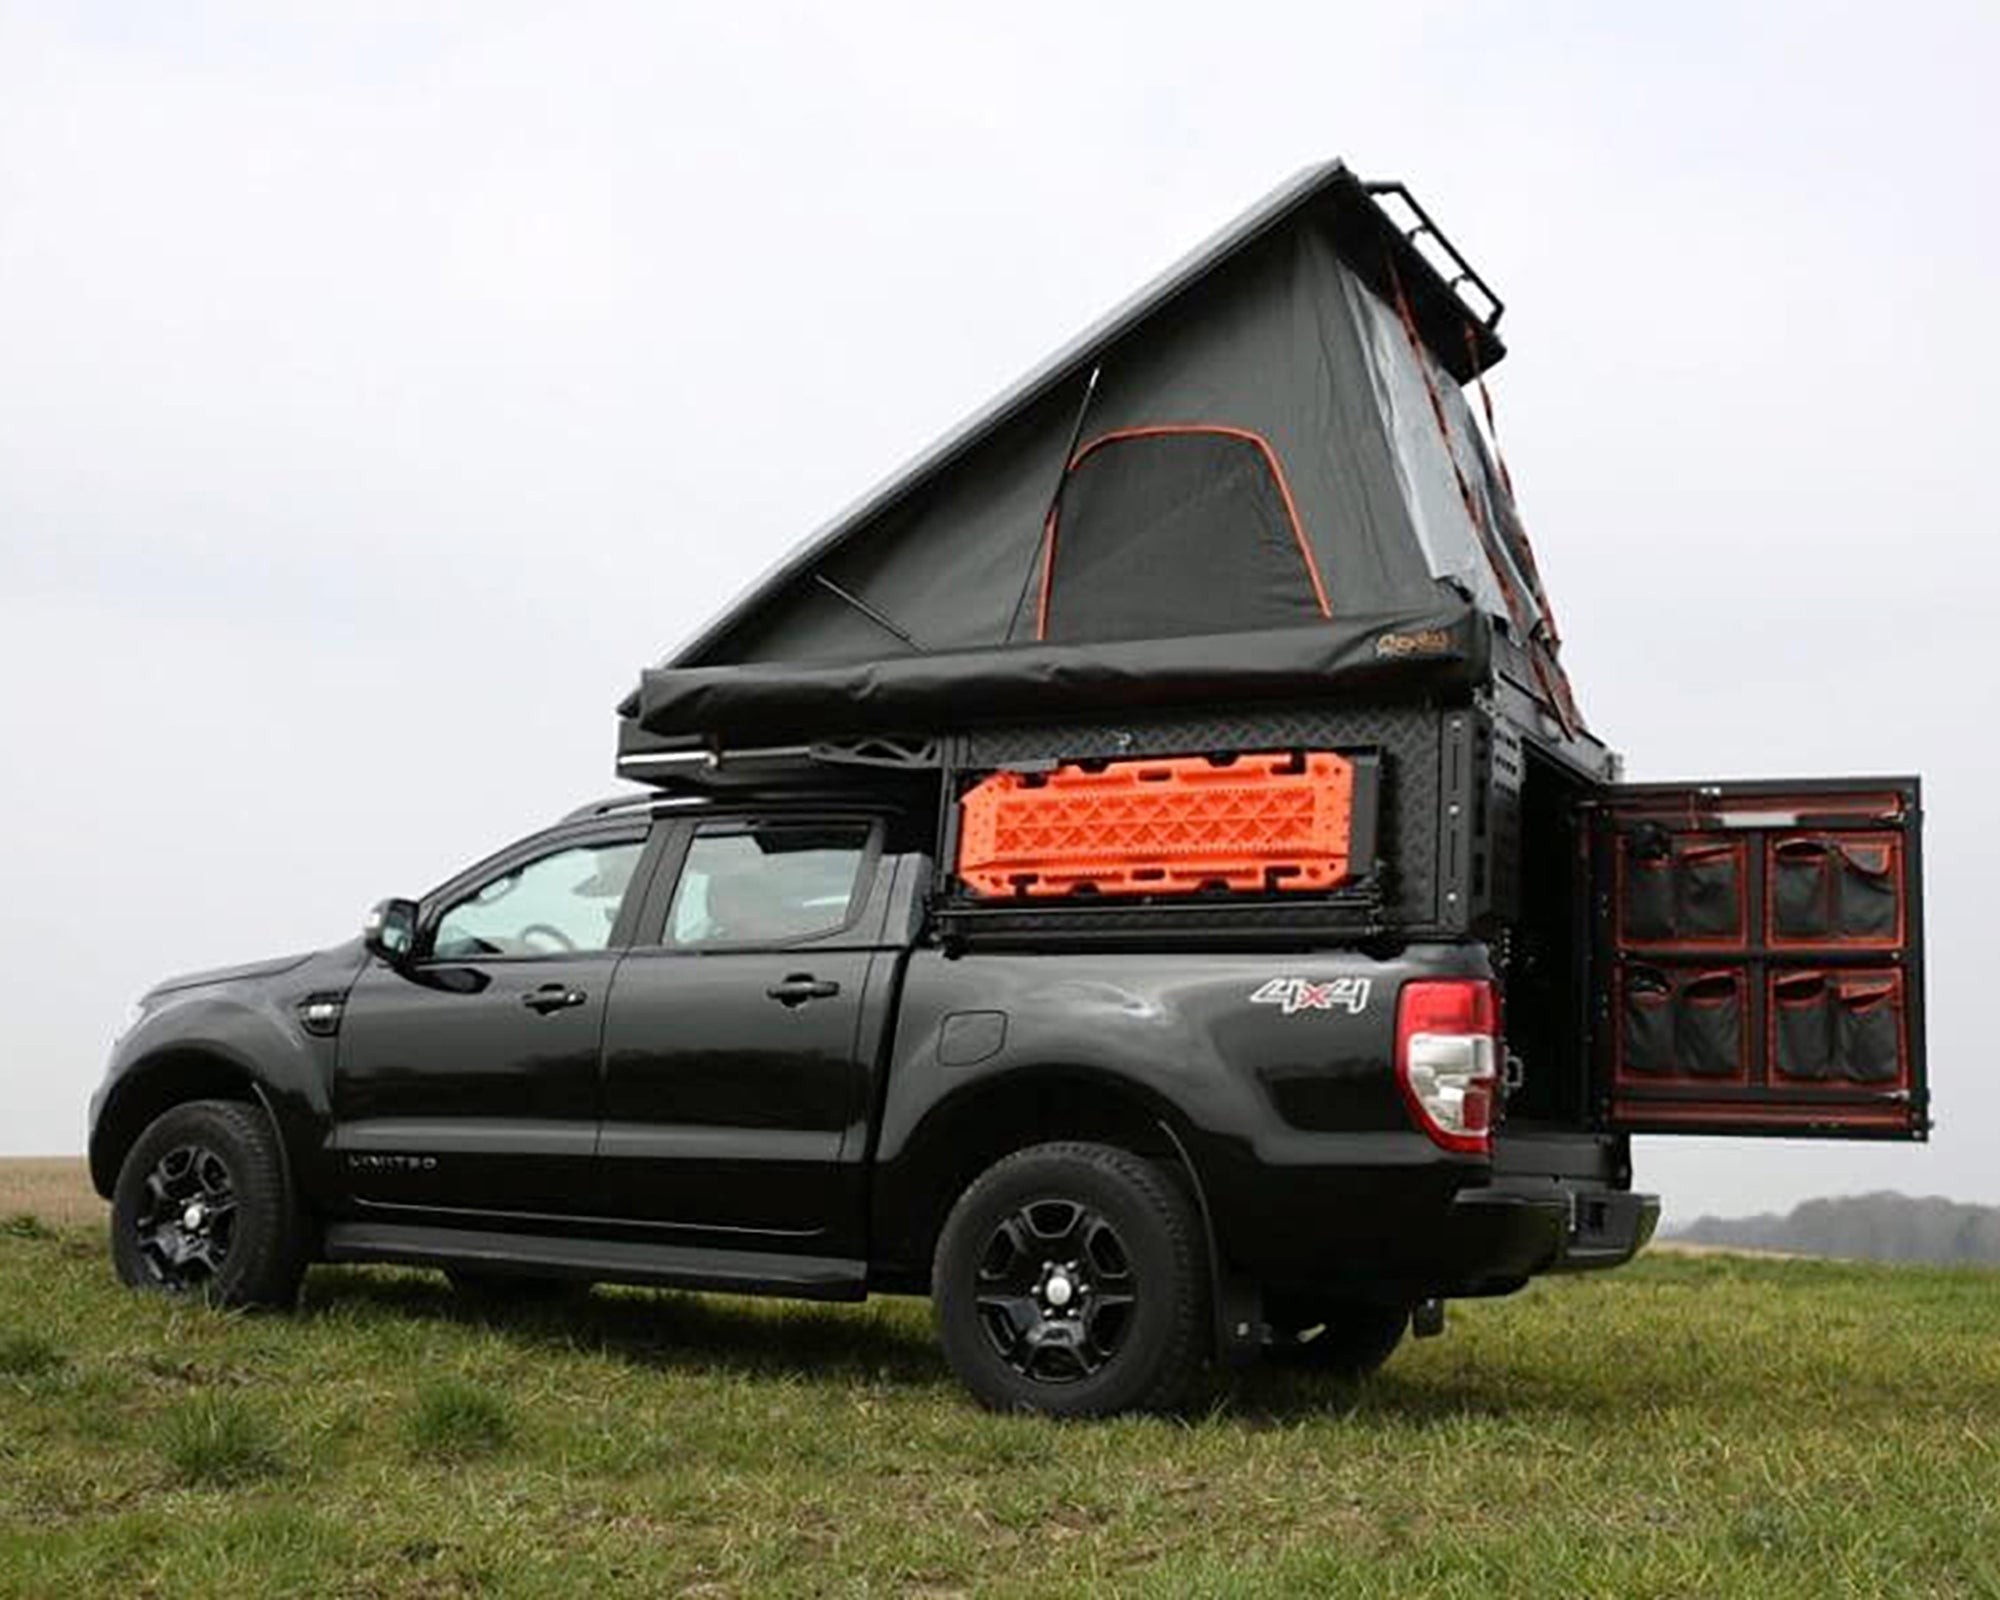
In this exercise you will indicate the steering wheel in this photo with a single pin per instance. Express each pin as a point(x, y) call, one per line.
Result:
point(542, 930)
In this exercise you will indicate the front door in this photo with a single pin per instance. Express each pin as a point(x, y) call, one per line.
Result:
point(1759, 958)
point(732, 1049)
point(467, 1077)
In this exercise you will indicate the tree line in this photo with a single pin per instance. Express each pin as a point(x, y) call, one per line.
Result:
point(1885, 1226)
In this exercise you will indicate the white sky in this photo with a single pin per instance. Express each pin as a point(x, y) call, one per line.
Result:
point(380, 386)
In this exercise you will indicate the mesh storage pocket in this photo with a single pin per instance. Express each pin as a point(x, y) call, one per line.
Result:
point(1828, 1027)
point(1869, 1034)
point(1708, 1025)
point(1836, 891)
point(1802, 889)
point(1648, 911)
point(1708, 891)
point(1802, 1027)
point(1680, 891)
point(1866, 893)
point(1646, 1038)
point(1676, 1025)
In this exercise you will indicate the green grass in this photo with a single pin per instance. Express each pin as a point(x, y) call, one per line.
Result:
point(1691, 1426)
point(455, 1420)
point(220, 1441)
point(26, 1355)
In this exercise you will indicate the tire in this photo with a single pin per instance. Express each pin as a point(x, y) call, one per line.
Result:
point(1129, 1325)
point(202, 1209)
point(1343, 1339)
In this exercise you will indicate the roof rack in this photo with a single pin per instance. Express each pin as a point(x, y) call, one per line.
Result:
point(1425, 227)
point(704, 769)
point(611, 805)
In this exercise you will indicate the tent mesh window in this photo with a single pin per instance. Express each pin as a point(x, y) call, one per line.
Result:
point(1164, 532)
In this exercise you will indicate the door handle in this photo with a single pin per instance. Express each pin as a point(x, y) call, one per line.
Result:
point(800, 987)
point(553, 997)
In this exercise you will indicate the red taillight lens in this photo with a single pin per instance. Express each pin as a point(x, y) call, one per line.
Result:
point(1448, 1058)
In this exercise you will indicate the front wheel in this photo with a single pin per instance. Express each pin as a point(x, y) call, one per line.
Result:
point(1344, 1339)
point(1070, 1280)
point(201, 1208)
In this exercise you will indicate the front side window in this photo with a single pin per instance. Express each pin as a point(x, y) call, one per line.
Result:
point(552, 905)
point(772, 884)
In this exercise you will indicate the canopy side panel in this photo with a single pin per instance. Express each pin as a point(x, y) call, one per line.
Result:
point(948, 564)
point(1269, 345)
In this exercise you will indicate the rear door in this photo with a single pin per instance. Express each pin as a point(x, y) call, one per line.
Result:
point(736, 1031)
point(1759, 958)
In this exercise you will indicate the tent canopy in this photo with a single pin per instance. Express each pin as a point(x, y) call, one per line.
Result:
point(1257, 477)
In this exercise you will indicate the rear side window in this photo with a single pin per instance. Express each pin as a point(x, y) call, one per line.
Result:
point(775, 883)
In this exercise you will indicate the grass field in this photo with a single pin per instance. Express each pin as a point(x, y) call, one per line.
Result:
point(53, 1189)
point(1693, 1425)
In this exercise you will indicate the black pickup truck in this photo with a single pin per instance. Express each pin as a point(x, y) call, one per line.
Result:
point(1351, 1009)
point(713, 1047)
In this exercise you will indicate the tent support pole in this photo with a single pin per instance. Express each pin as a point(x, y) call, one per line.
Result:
point(1055, 497)
point(868, 611)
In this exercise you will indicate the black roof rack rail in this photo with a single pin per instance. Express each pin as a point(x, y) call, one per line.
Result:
point(611, 804)
point(1496, 307)
point(706, 768)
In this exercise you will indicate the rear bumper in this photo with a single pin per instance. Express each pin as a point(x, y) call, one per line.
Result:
point(1392, 1218)
point(1609, 1230)
point(1508, 1232)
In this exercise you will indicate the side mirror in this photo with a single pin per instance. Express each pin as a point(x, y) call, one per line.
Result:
point(391, 930)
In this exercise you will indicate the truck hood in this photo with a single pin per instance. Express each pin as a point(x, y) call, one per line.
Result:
point(269, 968)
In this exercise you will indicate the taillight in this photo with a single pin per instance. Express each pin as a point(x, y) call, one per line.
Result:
point(1448, 1058)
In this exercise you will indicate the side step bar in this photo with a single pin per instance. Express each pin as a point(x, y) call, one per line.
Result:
point(602, 1260)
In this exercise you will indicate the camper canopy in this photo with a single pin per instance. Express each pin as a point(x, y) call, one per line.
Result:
point(1259, 478)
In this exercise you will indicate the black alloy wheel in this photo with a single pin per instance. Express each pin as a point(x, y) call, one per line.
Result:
point(1071, 1279)
point(202, 1208)
point(186, 1219)
point(1055, 1290)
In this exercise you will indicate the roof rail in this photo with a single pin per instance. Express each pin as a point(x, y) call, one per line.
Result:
point(610, 805)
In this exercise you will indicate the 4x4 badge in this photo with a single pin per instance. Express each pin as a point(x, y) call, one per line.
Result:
point(1293, 995)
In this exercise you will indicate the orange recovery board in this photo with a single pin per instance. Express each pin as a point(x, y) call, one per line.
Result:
point(1251, 823)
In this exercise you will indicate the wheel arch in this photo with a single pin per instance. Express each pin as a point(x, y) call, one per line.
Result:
point(157, 1083)
point(963, 1135)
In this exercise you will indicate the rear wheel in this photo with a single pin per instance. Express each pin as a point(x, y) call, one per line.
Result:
point(1069, 1279)
point(1344, 1339)
point(202, 1208)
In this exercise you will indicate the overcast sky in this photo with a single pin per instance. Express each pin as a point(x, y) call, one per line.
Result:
point(381, 386)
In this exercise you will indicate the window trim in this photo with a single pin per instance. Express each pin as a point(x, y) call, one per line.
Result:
point(654, 930)
point(432, 908)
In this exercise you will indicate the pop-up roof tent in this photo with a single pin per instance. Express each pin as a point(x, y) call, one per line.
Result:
point(1256, 480)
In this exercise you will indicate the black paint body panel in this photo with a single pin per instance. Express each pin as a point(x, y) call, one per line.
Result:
point(682, 1121)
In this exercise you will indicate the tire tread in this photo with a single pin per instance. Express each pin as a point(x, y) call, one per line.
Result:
point(269, 1274)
